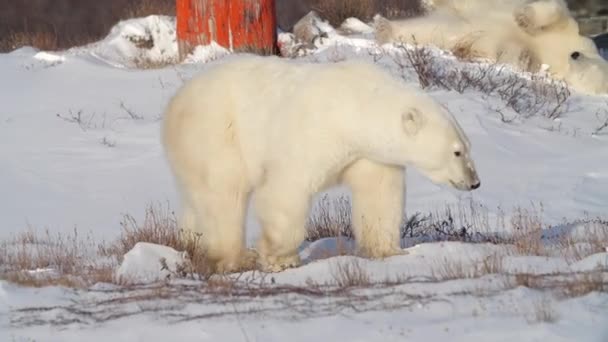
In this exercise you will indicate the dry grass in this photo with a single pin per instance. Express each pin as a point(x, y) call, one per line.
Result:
point(528, 228)
point(451, 270)
point(61, 24)
point(82, 279)
point(331, 218)
point(538, 96)
point(336, 11)
point(350, 274)
point(32, 250)
point(34, 259)
point(74, 261)
point(543, 311)
point(397, 9)
point(565, 285)
point(595, 240)
point(42, 40)
point(159, 226)
point(142, 8)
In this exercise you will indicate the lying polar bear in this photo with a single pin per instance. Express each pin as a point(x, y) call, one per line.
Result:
point(522, 33)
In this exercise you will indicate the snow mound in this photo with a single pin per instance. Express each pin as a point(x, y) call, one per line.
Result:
point(355, 25)
point(149, 39)
point(591, 263)
point(148, 263)
point(534, 264)
point(49, 57)
point(206, 53)
point(328, 247)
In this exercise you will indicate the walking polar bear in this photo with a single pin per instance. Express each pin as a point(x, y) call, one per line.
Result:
point(522, 33)
point(283, 131)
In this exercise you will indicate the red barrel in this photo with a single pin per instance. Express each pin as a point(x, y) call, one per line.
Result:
point(239, 25)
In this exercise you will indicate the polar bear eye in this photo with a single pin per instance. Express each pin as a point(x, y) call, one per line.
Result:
point(457, 153)
point(575, 55)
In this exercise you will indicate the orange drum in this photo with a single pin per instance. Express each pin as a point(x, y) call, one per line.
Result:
point(239, 25)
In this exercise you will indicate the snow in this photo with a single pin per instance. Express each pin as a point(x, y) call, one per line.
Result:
point(80, 147)
point(208, 53)
point(126, 41)
point(355, 25)
point(142, 264)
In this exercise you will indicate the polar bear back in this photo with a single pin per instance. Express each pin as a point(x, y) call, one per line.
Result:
point(268, 107)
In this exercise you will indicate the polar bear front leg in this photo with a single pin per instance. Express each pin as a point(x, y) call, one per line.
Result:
point(538, 15)
point(282, 208)
point(378, 193)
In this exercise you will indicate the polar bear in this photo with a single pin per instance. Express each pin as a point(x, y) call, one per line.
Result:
point(282, 131)
point(524, 33)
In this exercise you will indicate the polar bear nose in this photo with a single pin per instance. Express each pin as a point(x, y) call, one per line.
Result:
point(575, 55)
point(475, 186)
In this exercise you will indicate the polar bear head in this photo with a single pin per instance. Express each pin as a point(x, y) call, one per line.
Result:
point(575, 59)
point(555, 40)
point(588, 73)
point(434, 143)
point(443, 150)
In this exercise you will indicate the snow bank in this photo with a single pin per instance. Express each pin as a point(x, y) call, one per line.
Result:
point(49, 57)
point(591, 263)
point(150, 39)
point(354, 25)
point(207, 53)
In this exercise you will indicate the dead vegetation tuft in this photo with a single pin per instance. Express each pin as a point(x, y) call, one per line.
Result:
point(34, 259)
point(336, 11)
point(40, 259)
point(538, 95)
point(331, 218)
point(542, 311)
point(60, 24)
point(350, 273)
point(159, 226)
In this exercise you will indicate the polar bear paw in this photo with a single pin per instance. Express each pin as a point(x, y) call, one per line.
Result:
point(274, 264)
point(245, 261)
point(525, 19)
point(542, 15)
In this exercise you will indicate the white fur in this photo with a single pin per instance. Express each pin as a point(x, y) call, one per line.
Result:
point(284, 131)
point(523, 33)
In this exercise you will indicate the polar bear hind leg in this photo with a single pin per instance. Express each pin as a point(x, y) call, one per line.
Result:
point(206, 195)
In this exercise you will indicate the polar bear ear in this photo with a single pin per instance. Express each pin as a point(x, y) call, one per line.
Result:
point(412, 121)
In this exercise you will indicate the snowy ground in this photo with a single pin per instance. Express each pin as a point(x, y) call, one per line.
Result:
point(79, 140)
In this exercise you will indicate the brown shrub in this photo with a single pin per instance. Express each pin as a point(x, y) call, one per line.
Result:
point(34, 259)
point(336, 11)
point(61, 24)
point(160, 227)
point(350, 274)
point(539, 95)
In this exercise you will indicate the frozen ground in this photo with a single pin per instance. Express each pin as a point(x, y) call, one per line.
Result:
point(79, 140)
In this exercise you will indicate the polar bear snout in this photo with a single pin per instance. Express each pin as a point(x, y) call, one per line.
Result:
point(476, 185)
point(468, 179)
point(472, 183)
